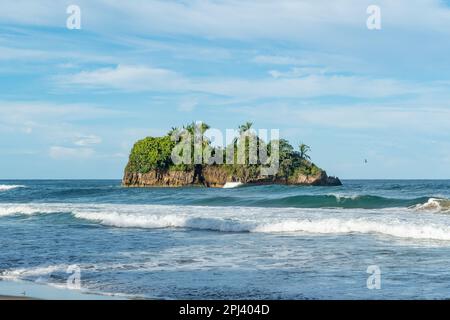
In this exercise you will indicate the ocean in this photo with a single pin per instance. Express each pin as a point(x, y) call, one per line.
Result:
point(251, 242)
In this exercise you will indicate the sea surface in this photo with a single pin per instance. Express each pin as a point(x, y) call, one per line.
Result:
point(260, 242)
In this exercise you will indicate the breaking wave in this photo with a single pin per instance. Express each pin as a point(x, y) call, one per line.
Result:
point(414, 229)
point(6, 187)
point(120, 220)
point(316, 201)
point(434, 205)
point(10, 210)
point(397, 222)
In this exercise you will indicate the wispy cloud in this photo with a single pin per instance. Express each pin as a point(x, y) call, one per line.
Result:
point(125, 77)
point(57, 152)
point(188, 104)
point(280, 60)
point(87, 140)
point(44, 124)
point(387, 117)
point(23, 114)
point(241, 19)
point(295, 83)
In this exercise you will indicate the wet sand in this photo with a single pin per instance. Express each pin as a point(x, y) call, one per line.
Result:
point(3, 298)
point(25, 290)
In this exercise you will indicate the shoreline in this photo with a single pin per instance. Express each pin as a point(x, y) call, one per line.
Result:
point(27, 290)
point(15, 298)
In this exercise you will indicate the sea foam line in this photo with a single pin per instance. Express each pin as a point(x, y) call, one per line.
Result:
point(17, 209)
point(401, 223)
point(381, 225)
point(149, 221)
point(23, 273)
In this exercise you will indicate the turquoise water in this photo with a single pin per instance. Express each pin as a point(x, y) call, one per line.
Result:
point(264, 242)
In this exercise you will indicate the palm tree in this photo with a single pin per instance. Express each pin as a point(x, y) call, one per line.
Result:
point(204, 127)
point(194, 128)
point(304, 149)
point(172, 131)
point(196, 125)
point(245, 127)
point(190, 128)
point(242, 128)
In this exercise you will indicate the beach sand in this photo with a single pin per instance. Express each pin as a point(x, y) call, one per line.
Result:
point(26, 290)
point(15, 298)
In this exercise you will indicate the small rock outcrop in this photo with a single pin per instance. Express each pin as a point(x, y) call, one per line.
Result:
point(151, 161)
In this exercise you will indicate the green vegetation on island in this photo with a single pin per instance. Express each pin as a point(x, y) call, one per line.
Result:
point(154, 154)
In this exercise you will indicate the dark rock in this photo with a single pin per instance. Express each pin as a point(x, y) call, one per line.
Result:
point(216, 176)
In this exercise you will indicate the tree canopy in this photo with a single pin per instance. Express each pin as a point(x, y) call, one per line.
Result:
point(154, 153)
point(151, 153)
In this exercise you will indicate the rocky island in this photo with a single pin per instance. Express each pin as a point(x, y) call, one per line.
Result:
point(151, 163)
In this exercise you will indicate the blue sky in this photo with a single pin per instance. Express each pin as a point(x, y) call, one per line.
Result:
point(73, 102)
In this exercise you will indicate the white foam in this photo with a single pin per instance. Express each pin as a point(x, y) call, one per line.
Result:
point(22, 273)
point(6, 187)
point(125, 220)
point(41, 275)
point(434, 205)
point(414, 229)
point(9, 210)
point(150, 221)
point(395, 222)
point(401, 229)
point(230, 185)
point(340, 197)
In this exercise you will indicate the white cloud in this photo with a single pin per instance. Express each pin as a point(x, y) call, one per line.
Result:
point(379, 117)
point(24, 110)
point(7, 53)
point(298, 83)
point(188, 105)
point(237, 19)
point(280, 60)
point(26, 117)
point(409, 118)
point(126, 77)
point(303, 22)
point(297, 72)
point(57, 152)
point(44, 12)
point(38, 125)
point(87, 140)
point(307, 87)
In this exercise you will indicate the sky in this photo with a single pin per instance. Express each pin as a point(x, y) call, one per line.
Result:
point(73, 101)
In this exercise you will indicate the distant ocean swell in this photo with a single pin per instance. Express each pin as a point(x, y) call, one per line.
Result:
point(317, 201)
point(345, 201)
point(396, 222)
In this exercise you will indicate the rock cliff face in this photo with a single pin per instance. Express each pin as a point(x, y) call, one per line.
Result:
point(158, 178)
point(216, 176)
point(321, 179)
